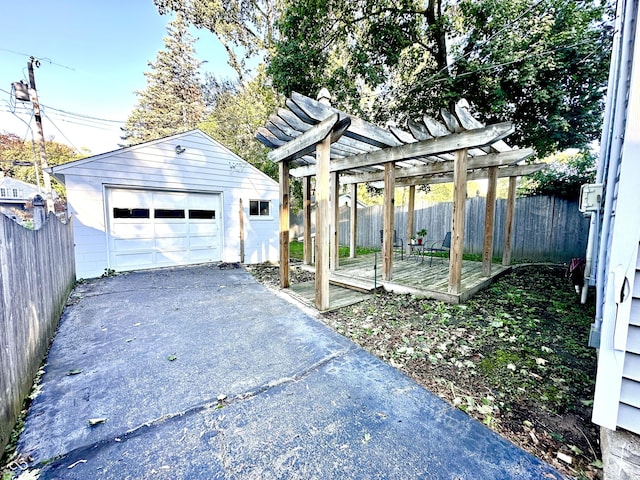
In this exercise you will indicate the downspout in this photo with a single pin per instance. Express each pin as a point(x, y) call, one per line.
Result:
point(612, 141)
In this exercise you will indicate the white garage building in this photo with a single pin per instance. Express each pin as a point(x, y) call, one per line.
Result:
point(179, 200)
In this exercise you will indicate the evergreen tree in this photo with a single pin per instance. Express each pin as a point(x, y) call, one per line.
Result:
point(173, 100)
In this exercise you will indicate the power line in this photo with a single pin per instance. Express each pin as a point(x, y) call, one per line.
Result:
point(61, 133)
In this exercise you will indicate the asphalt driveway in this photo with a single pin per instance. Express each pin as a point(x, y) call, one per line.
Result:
point(202, 373)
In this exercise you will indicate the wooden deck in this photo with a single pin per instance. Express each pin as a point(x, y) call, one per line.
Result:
point(412, 275)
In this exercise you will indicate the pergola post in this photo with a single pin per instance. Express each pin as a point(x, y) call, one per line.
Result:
point(508, 222)
point(410, 212)
point(353, 220)
point(489, 217)
point(306, 220)
point(323, 150)
point(388, 219)
point(334, 248)
point(457, 224)
point(284, 224)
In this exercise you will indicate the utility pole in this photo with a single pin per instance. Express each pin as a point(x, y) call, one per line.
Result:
point(33, 95)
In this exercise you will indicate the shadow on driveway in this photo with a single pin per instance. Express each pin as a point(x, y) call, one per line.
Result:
point(200, 372)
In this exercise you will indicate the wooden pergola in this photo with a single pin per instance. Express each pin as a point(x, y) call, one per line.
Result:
point(310, 138)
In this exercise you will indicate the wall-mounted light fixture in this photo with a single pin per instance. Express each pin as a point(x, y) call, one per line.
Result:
point(180, 149)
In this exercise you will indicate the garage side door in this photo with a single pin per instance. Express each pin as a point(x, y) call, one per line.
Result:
point(150, 228)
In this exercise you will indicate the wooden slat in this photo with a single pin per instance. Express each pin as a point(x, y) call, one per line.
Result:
point(284, 224)
point(334, 208)
point(503, 172)
point(450, 143)
point(457, 227)
point(388, 220)
point(306, 142)
point(508, 223)
point(489, 217)
point(353, 221)
point(450, 121)
point(469, 122)
point(401, 135)
point(418, 130)
point(322, 225)
point(485, 161)
point(359, 129)
point(410, 215)
point(306, 220)
point(435, 128)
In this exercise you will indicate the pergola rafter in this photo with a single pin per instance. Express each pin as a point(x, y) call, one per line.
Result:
point(310, 138)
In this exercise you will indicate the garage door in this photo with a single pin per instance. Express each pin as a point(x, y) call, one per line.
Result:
point(150, 228)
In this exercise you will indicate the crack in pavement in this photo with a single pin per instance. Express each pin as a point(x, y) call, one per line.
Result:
point(86, 452)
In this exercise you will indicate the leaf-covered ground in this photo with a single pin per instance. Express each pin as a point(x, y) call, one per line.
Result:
point(515, 357)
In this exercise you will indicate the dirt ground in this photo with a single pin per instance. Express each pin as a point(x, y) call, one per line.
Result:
point(514, 357)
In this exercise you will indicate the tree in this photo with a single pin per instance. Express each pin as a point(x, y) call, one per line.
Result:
point(173, 100)
point(244, 27)
point(236, 112)
point(540, 63)
point(566, 173)
point(12, 148)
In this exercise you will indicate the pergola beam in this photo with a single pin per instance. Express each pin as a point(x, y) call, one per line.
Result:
point(435, 146)
point(483, 161)
point(306, 143)
point(503, 172)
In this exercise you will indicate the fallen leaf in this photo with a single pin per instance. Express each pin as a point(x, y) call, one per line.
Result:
point(96, 421)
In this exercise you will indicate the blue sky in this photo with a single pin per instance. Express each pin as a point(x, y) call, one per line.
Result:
point(93, 56)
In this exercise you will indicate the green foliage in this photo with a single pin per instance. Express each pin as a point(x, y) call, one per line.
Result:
point(235, 111)
point(563, 178)
point(13, 147)
point(244, 27)
point(173, 100)
point(542, 64)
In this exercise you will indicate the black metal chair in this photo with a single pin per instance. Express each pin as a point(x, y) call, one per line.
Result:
point(445, 246)
point(397, 243)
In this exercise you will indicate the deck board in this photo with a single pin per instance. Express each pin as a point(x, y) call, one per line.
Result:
point(413, 276)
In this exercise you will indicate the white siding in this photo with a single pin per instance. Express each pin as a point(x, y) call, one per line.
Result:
point(205, 166)
point(616, 402)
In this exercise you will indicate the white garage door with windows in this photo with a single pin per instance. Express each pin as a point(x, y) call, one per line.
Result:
point(150, 228)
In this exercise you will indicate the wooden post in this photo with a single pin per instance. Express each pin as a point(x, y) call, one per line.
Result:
point(241, 232)
point(388, 219)
point(457, 226)
point(323, 151)
point(306, 220)
point(353, 220)
point(489, 216)
point(284, 224)
point(335, 219)
point(410, 213)
point(508, 222)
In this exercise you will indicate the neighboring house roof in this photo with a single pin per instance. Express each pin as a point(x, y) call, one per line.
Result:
point(16, 191)
point(345, 199)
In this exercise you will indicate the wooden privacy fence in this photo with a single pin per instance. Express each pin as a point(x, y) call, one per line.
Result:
point(545, 228)
point(37, 272)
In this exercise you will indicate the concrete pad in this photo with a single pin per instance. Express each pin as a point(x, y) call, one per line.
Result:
point(301, 401)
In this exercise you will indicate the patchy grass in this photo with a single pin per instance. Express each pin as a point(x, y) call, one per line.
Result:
point(515, 357)
point(296, 250)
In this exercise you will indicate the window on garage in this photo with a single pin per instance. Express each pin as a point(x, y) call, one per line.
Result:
point(259, 208)
point(202, 214)
point(168, 213)
point(130, 213)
